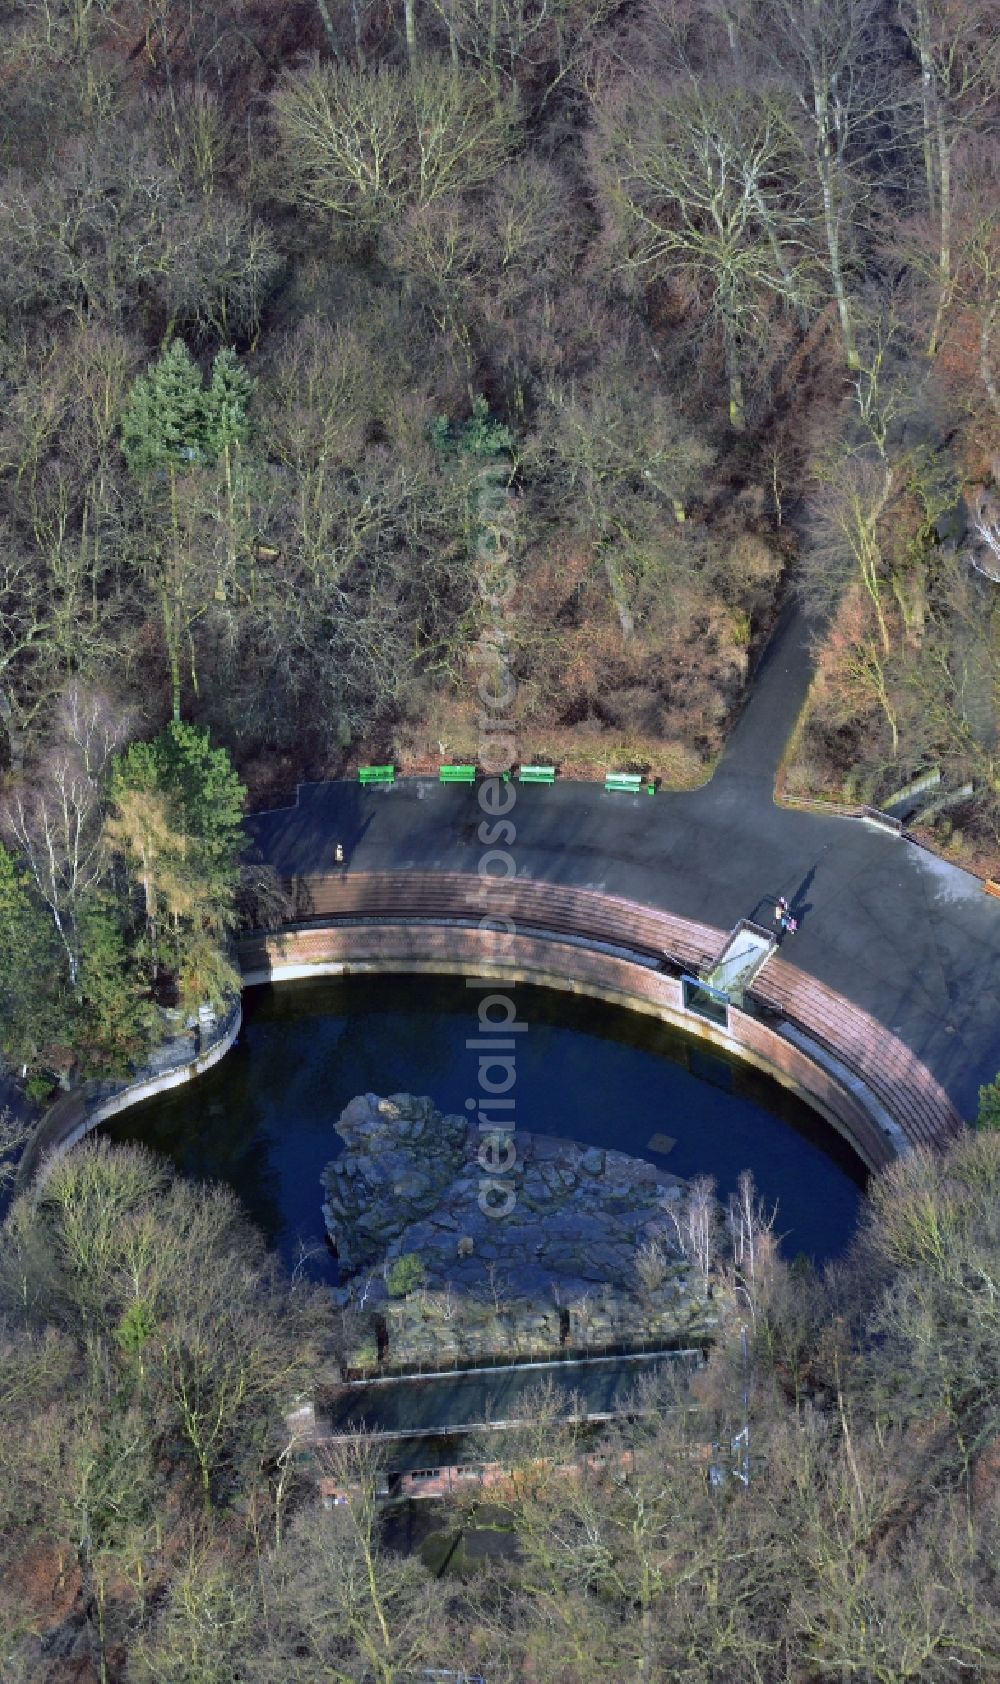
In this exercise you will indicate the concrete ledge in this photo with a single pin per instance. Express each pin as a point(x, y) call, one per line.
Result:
point(838, 1094)
point(847, 1079)
point(438, 914)
point(76, 1113)
point(849, 1068)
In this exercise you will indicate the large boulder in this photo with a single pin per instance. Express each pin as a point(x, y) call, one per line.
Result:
point(559, 1265)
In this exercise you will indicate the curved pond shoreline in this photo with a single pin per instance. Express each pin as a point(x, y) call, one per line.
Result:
point(865, 1082)
point(878, 1112)
point(859, 1075)
point(907, 938)
point(264, 1119)
point(84, 1108)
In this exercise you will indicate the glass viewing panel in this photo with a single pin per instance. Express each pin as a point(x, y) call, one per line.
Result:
point(706, 1001)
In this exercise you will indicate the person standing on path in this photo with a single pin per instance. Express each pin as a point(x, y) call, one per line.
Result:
point(787, 925)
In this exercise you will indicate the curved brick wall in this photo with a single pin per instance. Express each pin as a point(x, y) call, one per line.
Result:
point(850, 1068)
point(867, 1084)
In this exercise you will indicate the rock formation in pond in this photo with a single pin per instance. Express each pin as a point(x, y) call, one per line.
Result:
point(587, 1254)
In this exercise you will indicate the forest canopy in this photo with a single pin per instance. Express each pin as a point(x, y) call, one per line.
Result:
point(726, 276)
point(703, 297)
point(817, 1500)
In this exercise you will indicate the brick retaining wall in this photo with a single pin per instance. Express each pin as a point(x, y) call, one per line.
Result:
point(835, 1070)
point(850, 1068)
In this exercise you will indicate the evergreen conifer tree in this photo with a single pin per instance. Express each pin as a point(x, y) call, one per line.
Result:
point(164, 424)
point(173, 425)
point(179, 806)
point(227, 427)
point(114, 1016)
point(35, 1007)
point(226, 406)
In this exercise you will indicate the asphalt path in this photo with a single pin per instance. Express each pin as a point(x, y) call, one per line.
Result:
point(908, 937)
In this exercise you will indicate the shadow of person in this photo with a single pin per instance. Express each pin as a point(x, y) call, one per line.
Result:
point(799, 905)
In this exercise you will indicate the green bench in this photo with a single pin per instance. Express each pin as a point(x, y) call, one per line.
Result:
point(458, 774)
point(631, 782)
point(536, 775)
point(376, 774)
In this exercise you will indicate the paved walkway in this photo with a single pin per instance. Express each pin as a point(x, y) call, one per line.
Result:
point(911, 939)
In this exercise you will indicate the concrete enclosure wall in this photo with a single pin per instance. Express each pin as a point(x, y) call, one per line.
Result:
point(839, 1097)
point(852, 1070)
point(76, 1113)
point(865, 1058)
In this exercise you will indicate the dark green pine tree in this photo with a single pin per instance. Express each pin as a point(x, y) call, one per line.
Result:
point(226, 406)
point(164, 424)
point(171, 426)
point(163, 436)
point(227, 426)
point(36, 1004)
point(179, 826)
point(116, 1020)
point(204, 791)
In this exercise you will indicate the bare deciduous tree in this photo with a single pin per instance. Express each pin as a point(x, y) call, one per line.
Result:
point(55, 817)
point(696, 1219)
point(710, 188)
point(362, 146)
point(958, 54)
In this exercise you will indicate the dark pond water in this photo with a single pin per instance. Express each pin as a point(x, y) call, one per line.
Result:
point(263, 1119)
